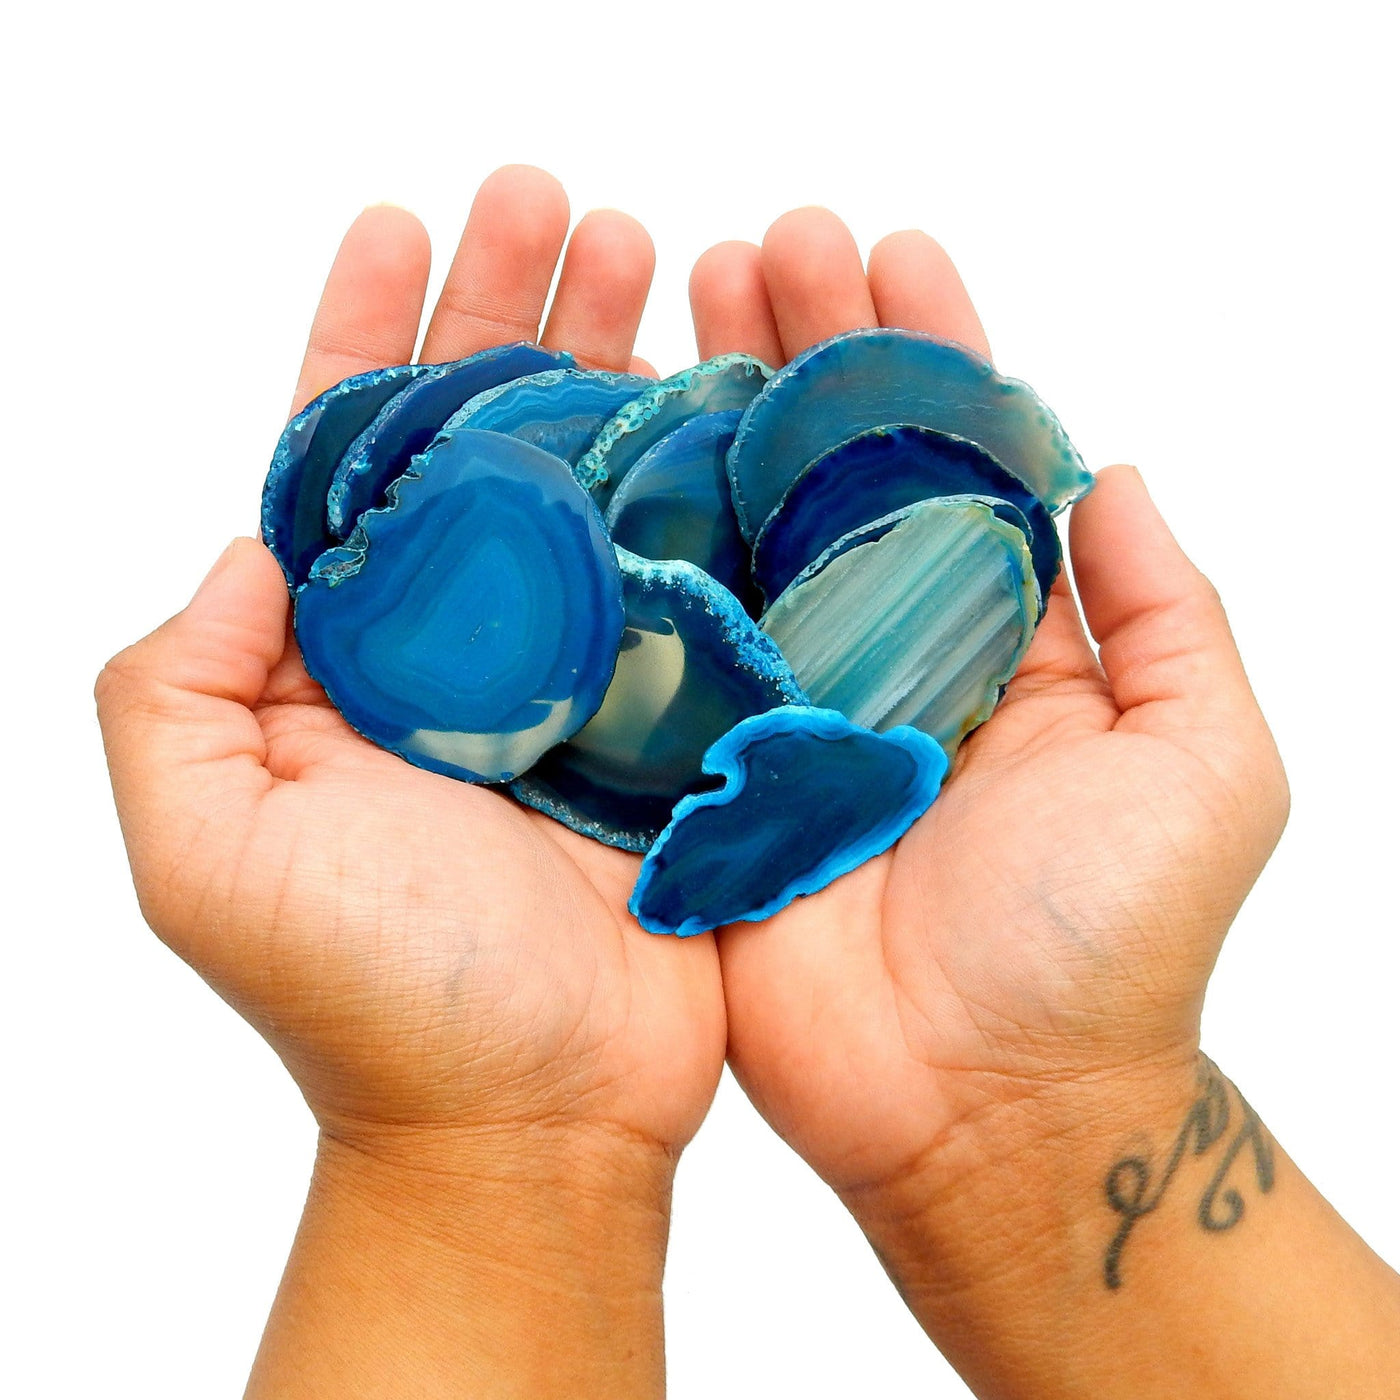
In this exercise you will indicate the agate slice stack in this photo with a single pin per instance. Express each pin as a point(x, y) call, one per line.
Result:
point(736, 620)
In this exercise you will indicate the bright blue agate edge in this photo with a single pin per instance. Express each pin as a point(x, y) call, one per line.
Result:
point(727, 758)
point(592, 468)
point(1068, 453)
point(343, 561)
point(288, 499)
point(754, 651)
point(419, 412)
point(559, 383)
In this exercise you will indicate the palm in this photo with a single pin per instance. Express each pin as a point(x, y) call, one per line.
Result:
point(421, 952)
point(1058, 909)
point(462, 940)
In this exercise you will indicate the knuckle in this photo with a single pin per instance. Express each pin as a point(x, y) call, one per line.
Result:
point(122, 677)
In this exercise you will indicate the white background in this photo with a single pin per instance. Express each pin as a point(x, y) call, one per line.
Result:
point(1176, 224)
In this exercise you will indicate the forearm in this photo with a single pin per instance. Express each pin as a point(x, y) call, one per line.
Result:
point(1136, 1241)
point(540, 1277)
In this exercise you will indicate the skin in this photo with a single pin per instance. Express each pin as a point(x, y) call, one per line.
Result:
point(453, 981)
point(966, 1036)
point(961, 1037)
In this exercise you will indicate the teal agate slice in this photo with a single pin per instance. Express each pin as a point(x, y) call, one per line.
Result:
point(713, 386)
point(877, 472)
point(869, 378)
point(674, 504)
point(294, 525)
point(922, 625)
point(560, 410)
point(692, 665)
point(473, 621)
point(807, 797)
point(412, 419)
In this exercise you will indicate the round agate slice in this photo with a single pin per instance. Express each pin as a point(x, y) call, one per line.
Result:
point(807, 797)
point(473, 622)
point(560, 410)
point(294, 524)
point(412, 419)
point(923, 624)
point(674, 504)
point(868, 378)
point(712, 386)
point(881, 471)
point(691, 666)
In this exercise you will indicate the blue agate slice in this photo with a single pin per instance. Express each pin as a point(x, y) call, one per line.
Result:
point(473, 621)
point(412, 419)
point(294, 525)
point(922, 624)
point(881, 471)
point(874, 530)
point(691, 666)
point(868, 378)
point(560, 410)
point(807, 797)
point(674, 504)
point(713, 386)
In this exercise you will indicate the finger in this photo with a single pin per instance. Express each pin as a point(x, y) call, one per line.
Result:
point(602, 290)
point(637, 365)
point(915, 286)
point(495, 290)
point(369, 310)
point(183, 744)
point(730, 307)
point(1164, 640)
point(815, 279)
point(1059, 655)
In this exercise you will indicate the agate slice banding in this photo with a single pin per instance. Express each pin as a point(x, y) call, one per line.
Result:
point(294, 525)
point(674, 504)
point(881, 471)
point(922, 624)
point(472, 622)
point(869, 378)
point(713, 386)
point(807, 797)
point(560, 410)
point(412, 419)
point(692, 665)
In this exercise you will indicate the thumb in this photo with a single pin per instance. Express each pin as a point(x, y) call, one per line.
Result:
point(1164, 640)
point(183, 745)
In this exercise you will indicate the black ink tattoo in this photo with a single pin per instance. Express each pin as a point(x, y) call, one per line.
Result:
point(1129, 1185)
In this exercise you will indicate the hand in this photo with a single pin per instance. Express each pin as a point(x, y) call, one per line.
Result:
point(1051, 922)
point(453, 981)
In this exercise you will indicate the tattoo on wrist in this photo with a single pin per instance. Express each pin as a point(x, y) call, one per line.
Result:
point(1133, 1193)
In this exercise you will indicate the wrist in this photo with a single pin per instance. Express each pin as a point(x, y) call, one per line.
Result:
point(998, 1233)
point(531, 1268)
point(1140, 1235)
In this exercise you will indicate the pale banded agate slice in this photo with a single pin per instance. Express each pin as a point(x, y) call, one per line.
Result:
point(412, 419)
point(473, 621)
point(294, 525)
point(713, 386)
point(866, 378)
point(807, 797)
point(674, 504)
point(560, 410)
point(923, 625)
point(881, 471)
point(691, 666)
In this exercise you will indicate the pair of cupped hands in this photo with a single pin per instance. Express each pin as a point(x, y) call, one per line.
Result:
point(455, 982)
